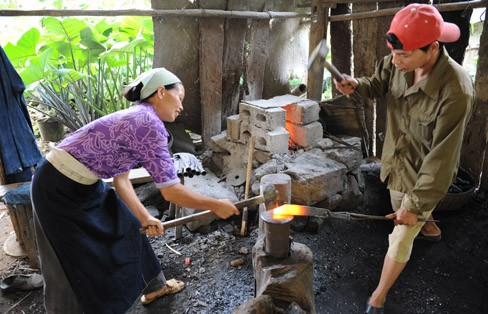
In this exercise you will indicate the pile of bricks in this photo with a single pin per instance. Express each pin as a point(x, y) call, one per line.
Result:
point(277, 123)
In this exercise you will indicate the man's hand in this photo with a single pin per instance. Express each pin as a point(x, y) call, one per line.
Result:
point(347, 85)
point(404, 217)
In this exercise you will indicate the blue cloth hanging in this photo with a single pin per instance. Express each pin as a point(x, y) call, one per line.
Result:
point(18, 147)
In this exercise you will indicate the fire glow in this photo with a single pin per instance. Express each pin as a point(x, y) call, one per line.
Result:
point(287, 211)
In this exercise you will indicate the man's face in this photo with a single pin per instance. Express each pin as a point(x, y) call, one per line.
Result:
point(410, 60)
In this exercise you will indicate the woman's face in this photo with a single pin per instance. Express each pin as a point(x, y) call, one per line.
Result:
point(169, 102)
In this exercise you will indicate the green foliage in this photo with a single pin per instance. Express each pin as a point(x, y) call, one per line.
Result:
point(76, 70)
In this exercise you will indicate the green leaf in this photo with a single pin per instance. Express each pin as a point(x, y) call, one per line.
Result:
point(130, 46)
point(69, 28)
point(93, 34)
point(25, 47)
point(37, 68)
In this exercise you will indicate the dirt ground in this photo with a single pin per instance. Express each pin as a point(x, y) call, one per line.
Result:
point(446, 277)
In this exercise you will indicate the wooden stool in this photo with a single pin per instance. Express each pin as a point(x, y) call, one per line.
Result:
point(19, 206)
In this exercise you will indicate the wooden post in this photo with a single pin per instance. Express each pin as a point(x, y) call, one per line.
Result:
point(256, 62)
point(3, 177)
point(211, 70)
point(473, 156)
point(176, 47)
point(341, 42)
point(233, 59)
point(23, 223)
point(379, 109)
point(318, 31)
point(365, 59)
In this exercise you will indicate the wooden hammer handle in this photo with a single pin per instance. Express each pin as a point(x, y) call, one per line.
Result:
point(333, 71)
point(206, 214)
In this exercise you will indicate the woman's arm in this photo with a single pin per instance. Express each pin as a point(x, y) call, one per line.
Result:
point(126, 191)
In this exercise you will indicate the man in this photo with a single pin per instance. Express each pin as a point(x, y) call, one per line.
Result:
point(429, 99)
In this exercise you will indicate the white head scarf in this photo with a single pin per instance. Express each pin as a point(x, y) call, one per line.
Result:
point(153, 79)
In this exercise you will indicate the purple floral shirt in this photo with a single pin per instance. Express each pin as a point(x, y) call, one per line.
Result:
point(118, 142)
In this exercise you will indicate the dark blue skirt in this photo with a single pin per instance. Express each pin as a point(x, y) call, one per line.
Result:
point(96, 239)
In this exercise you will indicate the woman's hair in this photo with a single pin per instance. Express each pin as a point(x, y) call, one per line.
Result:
point(397, 44)
point(133, 93)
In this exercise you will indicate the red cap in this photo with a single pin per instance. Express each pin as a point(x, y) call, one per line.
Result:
point(418, 25)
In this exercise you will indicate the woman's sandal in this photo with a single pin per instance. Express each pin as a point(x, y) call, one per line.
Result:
point(172, 286)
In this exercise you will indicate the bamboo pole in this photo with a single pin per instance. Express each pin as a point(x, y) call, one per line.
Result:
point(200, 13)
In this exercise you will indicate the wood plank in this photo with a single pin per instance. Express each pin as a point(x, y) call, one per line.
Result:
point(26, 228)
point(15, 224)
point(341, 43)
point(256, 63)
point(235, 32)
point(382, 50)
point(474, 156)
point(176, 47)
point(3, 176)
point(364, 32)
point(287, 52)
point(318, 31)
point(211, 56)
point(258, 37)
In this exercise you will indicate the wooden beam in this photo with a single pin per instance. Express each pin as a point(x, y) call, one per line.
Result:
point(200, 13)
point(389, 12)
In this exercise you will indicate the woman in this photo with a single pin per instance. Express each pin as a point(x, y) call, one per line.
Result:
point(93, 258)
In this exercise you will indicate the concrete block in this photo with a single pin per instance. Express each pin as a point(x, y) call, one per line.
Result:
point(275, 142)
point(305, 135)
point(315, 177)
point(218, 142)
point(265, 118)
point(303, 112)
point(278, 101)
point(233, 127)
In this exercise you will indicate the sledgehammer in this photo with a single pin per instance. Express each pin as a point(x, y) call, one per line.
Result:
point(256, 200)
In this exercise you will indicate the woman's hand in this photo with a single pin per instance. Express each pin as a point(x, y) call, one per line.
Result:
point(225, 209)
point(154, 226)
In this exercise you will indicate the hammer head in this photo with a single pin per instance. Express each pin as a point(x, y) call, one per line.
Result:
point(320, 52)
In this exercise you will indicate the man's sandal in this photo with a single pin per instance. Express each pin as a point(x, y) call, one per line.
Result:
point(172, 286)
point(373, 310)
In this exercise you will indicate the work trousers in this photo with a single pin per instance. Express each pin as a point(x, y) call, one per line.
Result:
point(402, 237)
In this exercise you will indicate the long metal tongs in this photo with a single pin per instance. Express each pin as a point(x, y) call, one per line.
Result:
point(356, 217)
point(304, 210)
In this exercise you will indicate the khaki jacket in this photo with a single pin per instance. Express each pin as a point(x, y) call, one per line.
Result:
point(425, 128)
